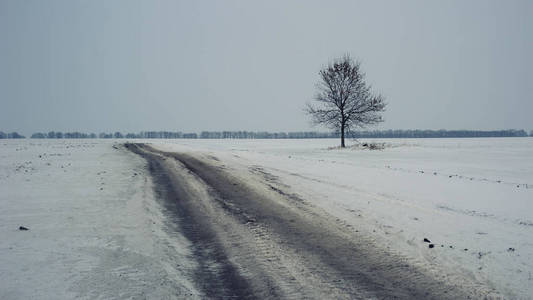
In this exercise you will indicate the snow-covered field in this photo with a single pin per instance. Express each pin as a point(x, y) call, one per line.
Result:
point(96, 229)
point(472, 198)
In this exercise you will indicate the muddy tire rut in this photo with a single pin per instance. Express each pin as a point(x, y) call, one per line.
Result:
point(259, 241)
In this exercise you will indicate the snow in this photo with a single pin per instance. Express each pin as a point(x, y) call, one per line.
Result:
point(95, 229)
point(472, 198)
point(98, 231)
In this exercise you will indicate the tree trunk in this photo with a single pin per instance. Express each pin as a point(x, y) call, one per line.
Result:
point(342, 136)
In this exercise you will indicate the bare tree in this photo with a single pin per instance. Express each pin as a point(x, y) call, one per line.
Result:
point(345, 101)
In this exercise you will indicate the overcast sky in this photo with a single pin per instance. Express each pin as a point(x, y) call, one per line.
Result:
point(97, 66)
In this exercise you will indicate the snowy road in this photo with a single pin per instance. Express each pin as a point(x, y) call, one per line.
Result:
point(256, 240)
point(197, 219)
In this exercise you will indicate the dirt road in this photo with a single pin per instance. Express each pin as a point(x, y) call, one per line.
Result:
point(255, 239)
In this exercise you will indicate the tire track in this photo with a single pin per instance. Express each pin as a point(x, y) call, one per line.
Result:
point(254, 243)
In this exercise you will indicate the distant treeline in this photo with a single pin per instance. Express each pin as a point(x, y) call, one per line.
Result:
point(363, 134)
point(12, 135)
point(440, 133)
point(116, 135)
point(274, 135)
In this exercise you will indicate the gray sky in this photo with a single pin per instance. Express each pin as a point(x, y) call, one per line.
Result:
point(211, 65)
